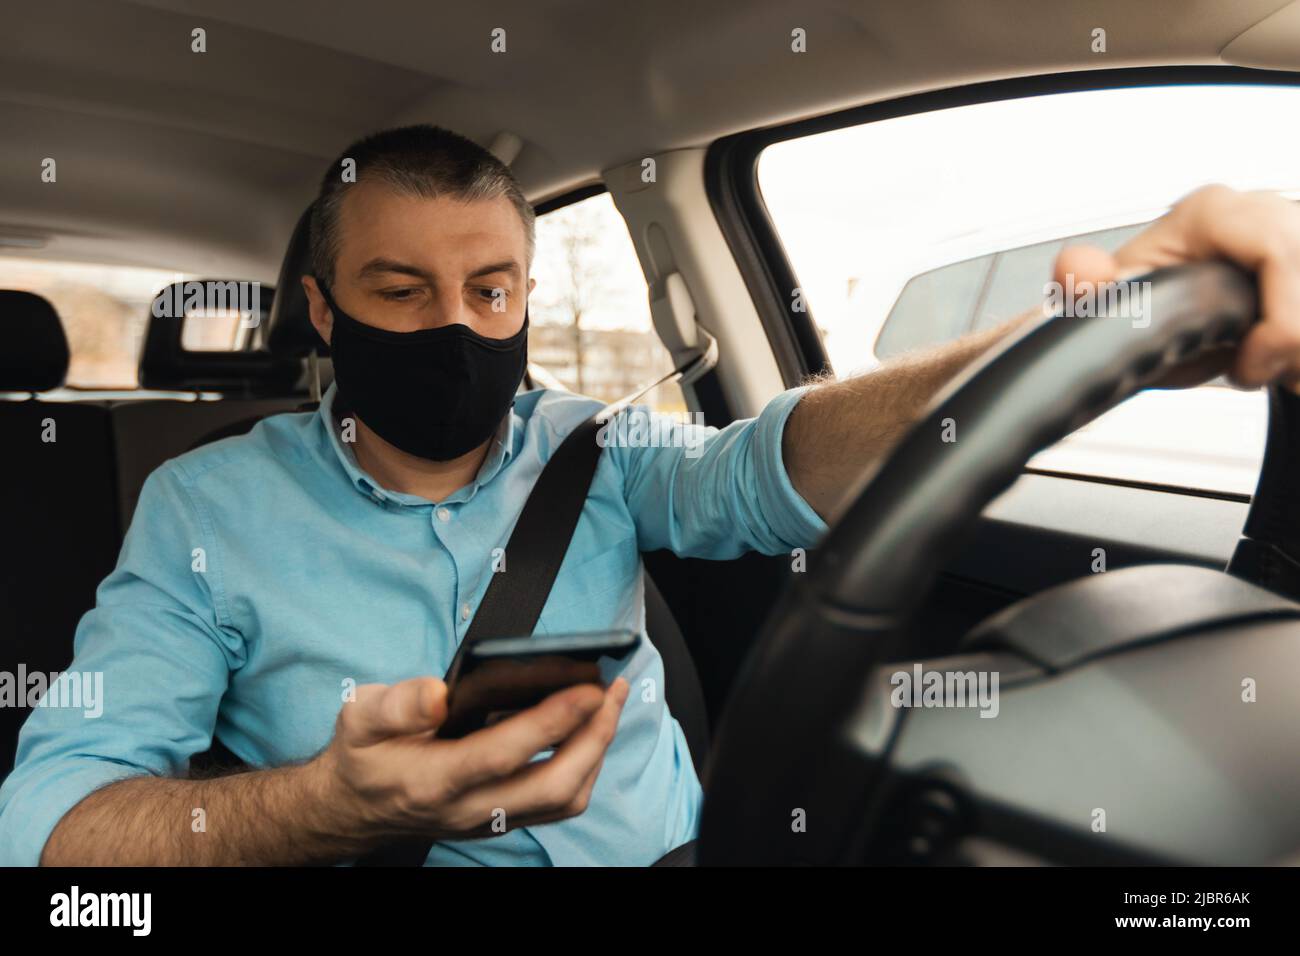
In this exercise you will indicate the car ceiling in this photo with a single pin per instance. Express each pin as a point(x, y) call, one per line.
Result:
point(201, 162)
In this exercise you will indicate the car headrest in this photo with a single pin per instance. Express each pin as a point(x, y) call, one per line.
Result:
point(289, 331)
point(34, 354)
point(165, 363)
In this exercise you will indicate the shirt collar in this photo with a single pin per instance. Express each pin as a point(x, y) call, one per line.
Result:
point(500, 452)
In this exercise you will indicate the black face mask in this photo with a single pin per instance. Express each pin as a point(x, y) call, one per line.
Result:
point(434, 393)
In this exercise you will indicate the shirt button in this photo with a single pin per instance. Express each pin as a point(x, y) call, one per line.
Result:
point(444, 514)
point(464, 612)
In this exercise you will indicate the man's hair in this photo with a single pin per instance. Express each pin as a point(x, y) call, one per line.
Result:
point(425, 161)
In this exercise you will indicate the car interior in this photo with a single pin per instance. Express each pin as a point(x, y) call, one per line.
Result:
point(197, 155)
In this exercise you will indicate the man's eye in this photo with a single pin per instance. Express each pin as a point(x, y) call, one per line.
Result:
point(491, 294)
point(399, 295)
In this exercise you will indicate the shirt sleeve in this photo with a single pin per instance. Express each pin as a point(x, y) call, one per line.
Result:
point(152, 660)
point(713, 493)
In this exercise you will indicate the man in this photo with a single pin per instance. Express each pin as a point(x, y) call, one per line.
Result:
point(297, 587)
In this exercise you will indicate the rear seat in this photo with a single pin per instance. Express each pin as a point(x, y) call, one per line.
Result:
point(61, 519)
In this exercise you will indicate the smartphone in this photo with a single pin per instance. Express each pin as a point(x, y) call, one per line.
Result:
point(492, 679)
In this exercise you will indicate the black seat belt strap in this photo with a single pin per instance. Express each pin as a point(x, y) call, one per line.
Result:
point(516, 595)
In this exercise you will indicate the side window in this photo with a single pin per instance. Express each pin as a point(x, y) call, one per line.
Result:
point(589, 317)
point(914, 230)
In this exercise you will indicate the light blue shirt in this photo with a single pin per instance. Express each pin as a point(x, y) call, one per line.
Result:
point(265, 575)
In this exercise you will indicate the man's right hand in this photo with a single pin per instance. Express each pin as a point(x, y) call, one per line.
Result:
point(392, 779)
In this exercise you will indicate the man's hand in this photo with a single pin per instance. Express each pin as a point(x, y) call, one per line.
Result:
point(394, 779)
point(1259, 231)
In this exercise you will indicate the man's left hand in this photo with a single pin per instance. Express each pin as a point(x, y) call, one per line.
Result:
point(1259, 231)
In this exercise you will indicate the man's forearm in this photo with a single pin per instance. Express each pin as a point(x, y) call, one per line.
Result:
point(285, 816)
point(839, 428)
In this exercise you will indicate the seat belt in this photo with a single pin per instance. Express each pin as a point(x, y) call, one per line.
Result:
point(515, 597)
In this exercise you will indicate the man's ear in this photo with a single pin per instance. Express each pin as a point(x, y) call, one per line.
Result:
point(321, 317)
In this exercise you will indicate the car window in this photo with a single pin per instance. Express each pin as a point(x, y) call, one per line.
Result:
point(589, 317)
point(912, 231)
point(104, 310)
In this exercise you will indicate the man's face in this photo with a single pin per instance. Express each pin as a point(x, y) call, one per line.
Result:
point(406, 263)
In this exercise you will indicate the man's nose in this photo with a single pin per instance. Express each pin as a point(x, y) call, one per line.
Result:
point(449, 308)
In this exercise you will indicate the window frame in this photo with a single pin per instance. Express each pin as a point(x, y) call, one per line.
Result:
point(569, 197)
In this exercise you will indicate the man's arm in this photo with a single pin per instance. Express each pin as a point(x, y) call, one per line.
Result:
point(158, 654)
point(705, 492)
point(287, 816)
point(839, 428)
point(382, 778)
point(769, 484)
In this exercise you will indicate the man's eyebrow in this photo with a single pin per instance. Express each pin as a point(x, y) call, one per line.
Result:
point(505, 265)
point(380, 265)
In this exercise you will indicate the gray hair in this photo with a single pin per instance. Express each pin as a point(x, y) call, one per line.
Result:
point(425, 161)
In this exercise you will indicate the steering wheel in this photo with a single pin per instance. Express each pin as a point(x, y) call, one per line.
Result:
point(803, 765)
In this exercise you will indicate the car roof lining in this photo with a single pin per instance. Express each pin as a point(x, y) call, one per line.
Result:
point(202, 162)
